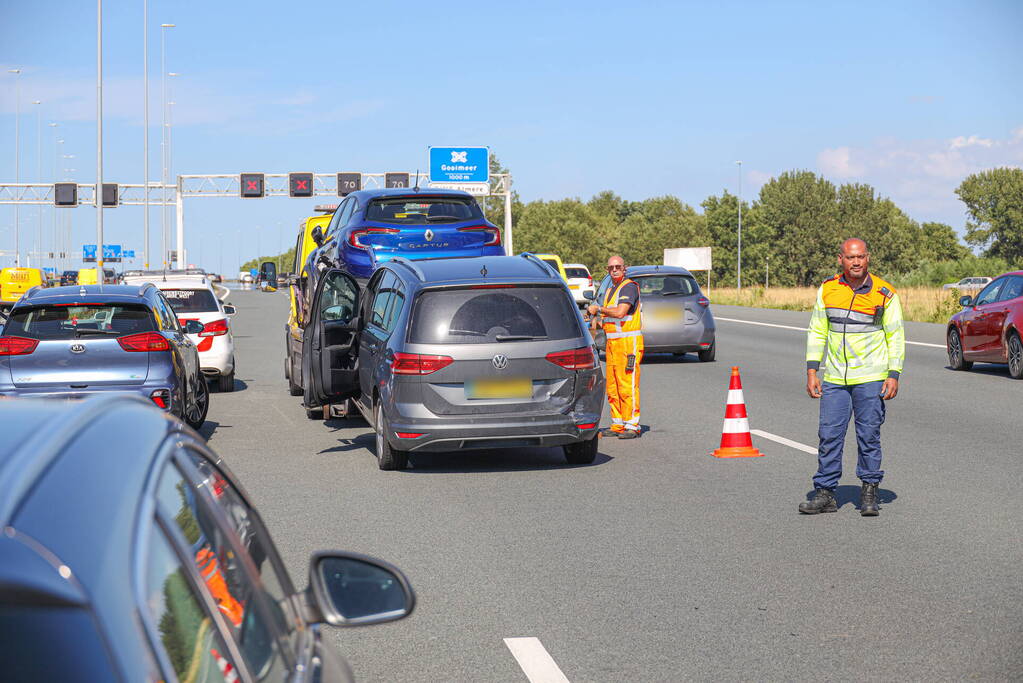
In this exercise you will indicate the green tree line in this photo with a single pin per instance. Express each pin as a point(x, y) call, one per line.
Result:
point(793, 228)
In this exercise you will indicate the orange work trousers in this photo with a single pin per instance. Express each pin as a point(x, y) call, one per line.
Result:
point(622, 385)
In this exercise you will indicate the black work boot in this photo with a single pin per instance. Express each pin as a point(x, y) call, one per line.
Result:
point(823, 501)
point(868, 500)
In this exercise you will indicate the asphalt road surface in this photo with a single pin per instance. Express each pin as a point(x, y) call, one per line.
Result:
point(659, 562)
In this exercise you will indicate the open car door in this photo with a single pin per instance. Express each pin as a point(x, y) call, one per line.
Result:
point(330, 341)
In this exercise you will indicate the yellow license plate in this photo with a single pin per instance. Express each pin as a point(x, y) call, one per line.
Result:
point(514, 387)
point(573, 286)
point(672, 314)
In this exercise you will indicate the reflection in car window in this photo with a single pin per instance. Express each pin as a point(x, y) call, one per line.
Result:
point(483, 316)
point(422, 210)
point(378, 312)
point(189, 637)
point(69, 322)
point(231, 588)
point(191, 300)
point(1013, 289)
point(337, 300)
point(666, 285)
point(990, 293)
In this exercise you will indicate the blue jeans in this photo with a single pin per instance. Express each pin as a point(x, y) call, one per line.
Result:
point(838, 404)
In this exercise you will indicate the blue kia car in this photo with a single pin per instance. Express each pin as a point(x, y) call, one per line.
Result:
point(71, 342)
point(373, 226)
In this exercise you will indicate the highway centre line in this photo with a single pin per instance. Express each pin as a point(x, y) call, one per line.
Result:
point(785, 442)
point(535, 661)
point(803, 329)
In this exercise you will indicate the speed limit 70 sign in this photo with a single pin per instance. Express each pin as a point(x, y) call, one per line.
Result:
point(348, 183)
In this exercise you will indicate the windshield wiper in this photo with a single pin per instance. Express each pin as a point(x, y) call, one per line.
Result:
point(114, 333)
point(519, 337)
point(671, 293)
point(471, 333)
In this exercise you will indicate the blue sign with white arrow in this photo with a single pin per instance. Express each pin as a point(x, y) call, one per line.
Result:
point(459, 164)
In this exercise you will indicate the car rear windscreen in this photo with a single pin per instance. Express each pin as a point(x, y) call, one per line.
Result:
point(666, 285)
point(423, 210)
point(576, 272)
point(485, 316)
point(191, 300)
point(79, 320)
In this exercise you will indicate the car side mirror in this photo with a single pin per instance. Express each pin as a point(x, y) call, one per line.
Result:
point(194, 327)
point(229, 309)
point(348, 589)
point(589, 295)
point(966, 301)
point(317, 235)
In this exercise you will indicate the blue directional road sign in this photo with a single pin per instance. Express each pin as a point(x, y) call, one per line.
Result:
point(110, 252)
point(128, 253)
point(88, 252)
point(459, 164)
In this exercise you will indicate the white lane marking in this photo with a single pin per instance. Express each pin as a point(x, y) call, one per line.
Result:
point(803, 329)
point(785, 442)
point(536, 663)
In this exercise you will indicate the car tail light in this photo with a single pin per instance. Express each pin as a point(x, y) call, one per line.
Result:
point(204, 344)
point(493, 235)
point(587, 425)
point(355, 235)
point(214, 328)
point(574, 359)
point(703, 301)
point(418, 364)
point(161, 397)
point(145, 341)
point(408, 435)
point(17, 346)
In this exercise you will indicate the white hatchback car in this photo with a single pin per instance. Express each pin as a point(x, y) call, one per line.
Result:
point(193, 297)
point(579, 280)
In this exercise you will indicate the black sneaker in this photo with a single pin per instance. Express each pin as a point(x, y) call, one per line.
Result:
point(629, 434)
point(823, 501)
point(609, 433)
point(868, 500)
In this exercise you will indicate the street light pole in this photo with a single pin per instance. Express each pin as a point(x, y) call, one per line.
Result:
point(56, 157)
point(180, 238)
point(17, 167)
point(99, 141)
point(39, 168)
point(145, 131)
point(738, 272)
point(163, 140)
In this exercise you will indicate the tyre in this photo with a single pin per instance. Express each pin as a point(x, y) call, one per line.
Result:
point(294, 388)
point(226, 382)
point(582, 453)
point(314, 413)
point(196, 408)
point(1015, 356)
point(287, 364)
point(387, 458)
point(707, 355)
point(955, 351)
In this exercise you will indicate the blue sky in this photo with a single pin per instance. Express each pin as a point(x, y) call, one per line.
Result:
point(641, 98)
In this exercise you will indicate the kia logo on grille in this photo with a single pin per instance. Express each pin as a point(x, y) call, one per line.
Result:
point(78, 348)
point(500, 361)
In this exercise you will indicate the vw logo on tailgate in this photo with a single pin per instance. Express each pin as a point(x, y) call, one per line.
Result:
point(78, 348)
point(500, 361)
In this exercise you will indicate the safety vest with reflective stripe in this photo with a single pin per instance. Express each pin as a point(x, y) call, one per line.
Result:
point(858, 337)
point(618, 328)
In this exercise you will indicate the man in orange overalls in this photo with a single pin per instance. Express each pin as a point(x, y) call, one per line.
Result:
point(624, 350)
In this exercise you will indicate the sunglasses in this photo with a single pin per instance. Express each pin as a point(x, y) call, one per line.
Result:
point(616, 267)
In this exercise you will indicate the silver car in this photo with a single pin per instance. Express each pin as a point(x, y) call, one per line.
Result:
point(461, 353)
point(676, 314)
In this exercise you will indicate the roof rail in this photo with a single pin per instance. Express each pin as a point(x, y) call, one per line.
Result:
point(31, 291)
point(539, 262)
point(411, 266)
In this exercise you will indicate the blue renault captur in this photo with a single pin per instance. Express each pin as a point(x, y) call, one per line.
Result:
point(71, 342)
point(373, 226)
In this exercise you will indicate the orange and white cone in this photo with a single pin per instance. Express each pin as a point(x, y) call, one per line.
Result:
point(736, 441)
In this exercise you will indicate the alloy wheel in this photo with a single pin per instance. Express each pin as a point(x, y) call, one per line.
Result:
point(1015, 356)
point(955, 349)
point(197, 407)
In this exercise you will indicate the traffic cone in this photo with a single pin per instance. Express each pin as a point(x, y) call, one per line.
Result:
point(736, 441)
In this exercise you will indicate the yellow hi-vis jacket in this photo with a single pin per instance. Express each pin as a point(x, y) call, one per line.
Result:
point(858, 335)
point(620, 328)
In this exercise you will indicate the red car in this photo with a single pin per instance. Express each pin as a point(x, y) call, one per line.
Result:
point(989, 329)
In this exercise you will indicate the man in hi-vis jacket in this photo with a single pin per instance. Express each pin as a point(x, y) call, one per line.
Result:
point(856, 332)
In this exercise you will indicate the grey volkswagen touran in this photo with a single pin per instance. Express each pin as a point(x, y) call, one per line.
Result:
point(460, 353)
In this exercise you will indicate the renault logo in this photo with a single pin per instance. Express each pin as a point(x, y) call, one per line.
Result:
point(428, 234)
point(78, 348)
point(500, 361)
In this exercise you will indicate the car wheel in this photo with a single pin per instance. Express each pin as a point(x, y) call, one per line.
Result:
point(287, 363)
point(314, 413)
point(387, 458)
point(226, 382)
point(582, 453)
point(294, 388)
point(707, 355)
point(1015, 354)
point(195, 413)
point(955, 351)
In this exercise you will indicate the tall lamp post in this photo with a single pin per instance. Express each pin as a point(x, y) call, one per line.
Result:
point(56, 159)
point(99, 141)
point(179, 247)
point(163, 140)
point(17, 167)
point(738, 272)
point(145, 132)
point(39, 169)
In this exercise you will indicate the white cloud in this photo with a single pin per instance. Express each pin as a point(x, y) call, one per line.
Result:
point(921, 175)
